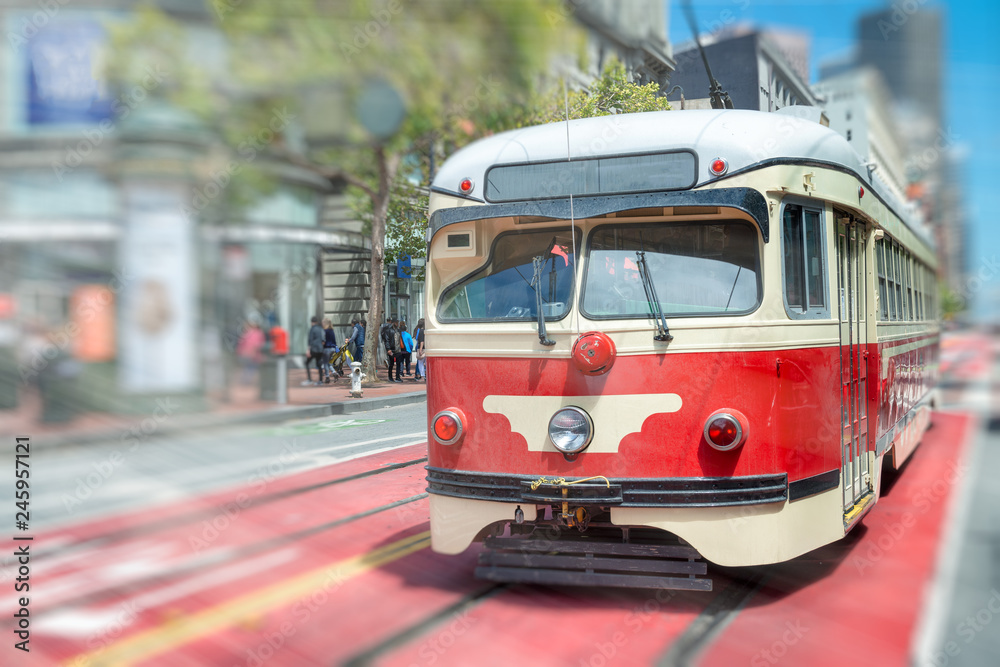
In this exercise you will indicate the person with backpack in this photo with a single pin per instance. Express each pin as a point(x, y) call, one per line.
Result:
point(358, 338)
point(329, 348)
point(317, 338)
point(389, 337)
point(405, 348)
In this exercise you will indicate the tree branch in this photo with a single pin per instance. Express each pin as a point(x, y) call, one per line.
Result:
point(331, 174)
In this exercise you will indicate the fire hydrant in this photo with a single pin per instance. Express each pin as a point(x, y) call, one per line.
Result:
point(356, 378)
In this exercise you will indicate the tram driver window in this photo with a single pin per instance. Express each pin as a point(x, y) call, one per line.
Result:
point(501, 290)
point(804, 262)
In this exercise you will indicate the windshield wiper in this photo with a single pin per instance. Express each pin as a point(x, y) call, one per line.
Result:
point(536, 284)
point(655, 309)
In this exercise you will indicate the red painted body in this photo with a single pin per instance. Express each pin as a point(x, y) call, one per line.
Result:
point(790, 398)
point(911, 375)
point(794, 419)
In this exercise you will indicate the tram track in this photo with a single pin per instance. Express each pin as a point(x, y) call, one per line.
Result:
point(425, 626)
point(153, 527)
point(222, 557)
point(712, 620)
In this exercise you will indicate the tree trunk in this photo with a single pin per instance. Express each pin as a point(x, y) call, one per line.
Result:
point(387, 165)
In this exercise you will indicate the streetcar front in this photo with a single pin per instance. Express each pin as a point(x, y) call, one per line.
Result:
point(605, 359)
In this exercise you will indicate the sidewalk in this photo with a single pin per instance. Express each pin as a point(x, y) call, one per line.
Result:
point(242, 406)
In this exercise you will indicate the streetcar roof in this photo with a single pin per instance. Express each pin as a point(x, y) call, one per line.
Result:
point(743, 138)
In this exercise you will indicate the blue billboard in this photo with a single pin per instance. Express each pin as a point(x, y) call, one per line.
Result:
point(64, 78)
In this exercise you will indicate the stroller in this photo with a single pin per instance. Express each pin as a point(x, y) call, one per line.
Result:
point(336, 363)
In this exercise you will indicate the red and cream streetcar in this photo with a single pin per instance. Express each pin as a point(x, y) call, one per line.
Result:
point(667, 335)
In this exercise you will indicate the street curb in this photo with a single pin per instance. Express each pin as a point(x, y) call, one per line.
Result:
point(201, 422)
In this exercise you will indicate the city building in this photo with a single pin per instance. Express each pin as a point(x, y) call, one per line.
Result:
point(123, 235)
point(762, 71)
point(633, 31)
point(906, 47)
point(858, 106)
point(136, 243)
point(905, 44)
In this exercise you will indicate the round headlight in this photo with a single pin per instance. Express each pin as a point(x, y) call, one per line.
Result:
point(570, 430)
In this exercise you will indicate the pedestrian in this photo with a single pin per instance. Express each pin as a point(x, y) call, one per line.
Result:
point(388, 335)
point(421, 354)
point(317, 338)
point(358, 338)
point(249, 349)
point(405, 346)
point(329, 347)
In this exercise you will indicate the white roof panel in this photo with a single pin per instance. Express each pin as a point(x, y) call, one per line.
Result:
point(743, 138)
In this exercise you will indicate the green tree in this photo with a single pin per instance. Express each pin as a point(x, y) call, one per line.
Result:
point(952, 304)
point(611, 93)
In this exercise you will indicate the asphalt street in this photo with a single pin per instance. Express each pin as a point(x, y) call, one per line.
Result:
point(70, 485)
point(966, 630)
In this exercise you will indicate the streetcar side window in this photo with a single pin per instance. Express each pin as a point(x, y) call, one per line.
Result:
point(900, 311)
point(910, 310)
point(892, 275)
point(804, 262)
point(882, 290)
point(928, 294)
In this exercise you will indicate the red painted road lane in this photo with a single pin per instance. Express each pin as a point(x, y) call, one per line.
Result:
point(966, 356)
point(558, 626)
point(129, 564)
point(261, 482)
point(111, 533)
point(865, 593)
point(158, 598)
point(160, 607)
point(360, 615)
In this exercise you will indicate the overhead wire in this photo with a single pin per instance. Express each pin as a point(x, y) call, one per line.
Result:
point(572, 215)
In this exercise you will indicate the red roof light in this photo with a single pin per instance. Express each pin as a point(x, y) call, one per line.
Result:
point(719, 166)
point(466, 185)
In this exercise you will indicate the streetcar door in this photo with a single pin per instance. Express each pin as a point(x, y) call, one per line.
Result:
point(852, 278)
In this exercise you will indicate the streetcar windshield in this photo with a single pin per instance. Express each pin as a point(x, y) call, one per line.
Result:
point(502, 290)
point(697, 269)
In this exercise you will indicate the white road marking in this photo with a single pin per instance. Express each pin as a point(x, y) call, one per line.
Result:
point(83, 622)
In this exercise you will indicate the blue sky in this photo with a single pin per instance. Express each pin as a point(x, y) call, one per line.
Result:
point(972, 92)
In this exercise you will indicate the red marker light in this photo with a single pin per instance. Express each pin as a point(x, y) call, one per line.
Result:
point(719, 166)
point(861, 192)
point(723, 432)
point(445, 428)
point(466, 185)
point(726, 430)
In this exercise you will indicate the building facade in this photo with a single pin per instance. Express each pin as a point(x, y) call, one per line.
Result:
point(858, 106)
point(761, 71)
point(906, 47)
point(125, 246)
point(139, 245)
